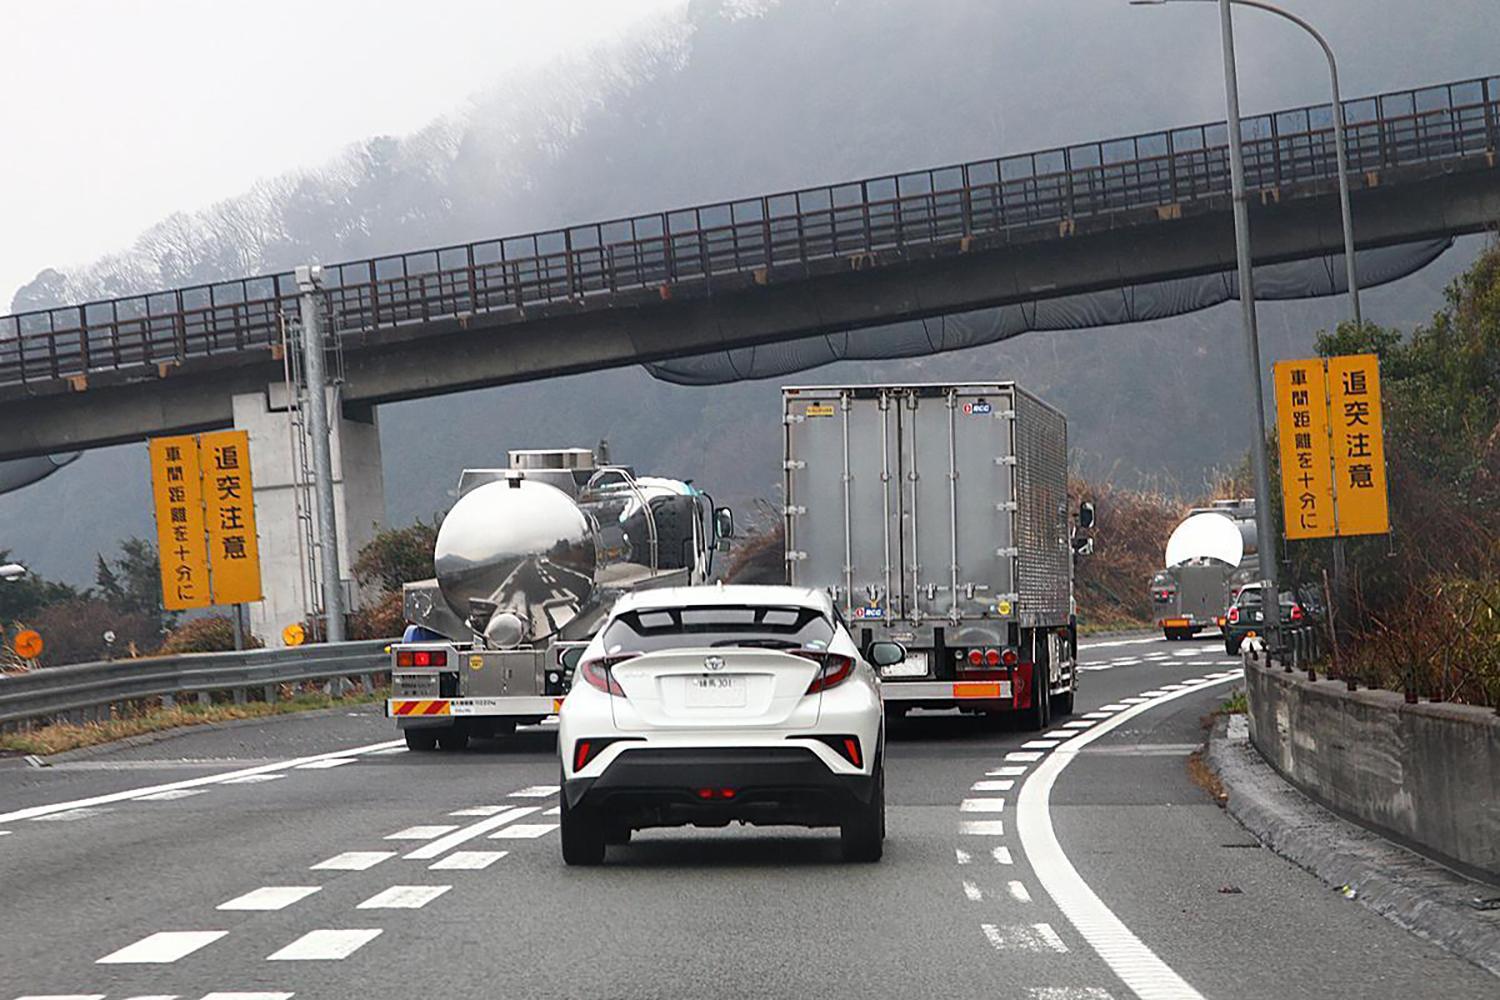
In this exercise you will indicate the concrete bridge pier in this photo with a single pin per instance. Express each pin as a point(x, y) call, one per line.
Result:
point(288, 543)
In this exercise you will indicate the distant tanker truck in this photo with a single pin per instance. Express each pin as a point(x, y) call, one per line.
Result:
point(1210, 555)
point(526, 565)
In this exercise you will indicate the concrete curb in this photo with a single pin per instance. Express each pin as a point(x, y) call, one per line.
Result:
point(144, 739)
point(1420, 895)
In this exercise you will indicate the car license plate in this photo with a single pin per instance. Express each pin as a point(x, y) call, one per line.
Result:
point(715, 691)
point(915, 665)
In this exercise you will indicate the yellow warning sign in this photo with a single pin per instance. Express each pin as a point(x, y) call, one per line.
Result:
point(1332, 447)
point(177, 490)
point(205, 520)
point(229, 507)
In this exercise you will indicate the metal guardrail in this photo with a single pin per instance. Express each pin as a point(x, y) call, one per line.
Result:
point(77, 692)
point(1442, 122)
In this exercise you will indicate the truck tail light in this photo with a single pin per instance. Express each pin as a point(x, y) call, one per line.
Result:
point(976, 657)
point(1296, 612)
point(992, 657)
point(421, 657)
point(1009, 656)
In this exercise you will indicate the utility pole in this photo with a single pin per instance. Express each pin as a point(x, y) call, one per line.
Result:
point(310, 284)
point(1259, 461)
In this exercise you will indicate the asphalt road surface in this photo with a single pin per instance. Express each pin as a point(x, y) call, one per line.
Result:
point(316, 857)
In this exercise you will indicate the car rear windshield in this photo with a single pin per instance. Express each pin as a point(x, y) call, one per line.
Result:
point(769, 627)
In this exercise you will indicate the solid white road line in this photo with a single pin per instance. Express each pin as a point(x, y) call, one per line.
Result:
point(982, 805)
point(535, 792)
point(1001, 855)
point(973, 892)
point(68, 815)
point(325, 945)
point(33, 812)
point(467, 860)
point(403, 897)
point(1136, 964)
point(1023, 937)
point(523, 831)
point(172, 794)
point(252, 779)
point(422, 832)
point(161, 947)
point(270, 897)
point(999, 785)
point(321, 765)
point(465, 834)
point(982, 827)
point(1018, 891)
point(353, 861)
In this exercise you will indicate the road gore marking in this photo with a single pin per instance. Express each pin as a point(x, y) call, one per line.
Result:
point(1137, 965)
point(465, 834)
point(34, 812)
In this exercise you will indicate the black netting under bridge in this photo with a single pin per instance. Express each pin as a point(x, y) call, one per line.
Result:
point(1310, 278)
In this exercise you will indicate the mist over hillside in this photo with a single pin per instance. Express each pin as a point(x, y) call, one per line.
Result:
point(726, 99)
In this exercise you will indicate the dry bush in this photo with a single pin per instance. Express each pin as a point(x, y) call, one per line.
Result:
point(209, 634)
point(1130, 536)
point(384, 619)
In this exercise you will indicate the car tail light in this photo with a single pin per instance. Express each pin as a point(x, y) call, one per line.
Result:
point(582, 751)
point(1233, 616)
point(421, 658)
point(834, 670)
point(599, 674)
point(1009, 656)
point(590, 747)
point(1296, 612)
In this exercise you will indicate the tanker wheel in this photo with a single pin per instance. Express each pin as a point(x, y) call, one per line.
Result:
point(1035, 716)
point(421, 740)
point(1062, 704)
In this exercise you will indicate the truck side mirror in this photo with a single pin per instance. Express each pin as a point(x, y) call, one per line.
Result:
point(1086, 514)
point(1083, 546)
point(723, 522)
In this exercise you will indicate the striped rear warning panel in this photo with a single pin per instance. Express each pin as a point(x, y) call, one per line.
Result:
point(418, 706)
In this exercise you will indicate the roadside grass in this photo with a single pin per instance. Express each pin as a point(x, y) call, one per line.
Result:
point(62, 736)
point(1101, 622)
point(1235, 704)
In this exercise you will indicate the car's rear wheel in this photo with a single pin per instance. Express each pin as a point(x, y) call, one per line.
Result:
point(454, 738)
point(421, 740)
point(582, 836)
point(616, 834)
point(1232, 646)
point(862, 834)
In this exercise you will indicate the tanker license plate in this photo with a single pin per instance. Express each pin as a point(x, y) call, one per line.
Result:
point(915, 665)
point(715, 691)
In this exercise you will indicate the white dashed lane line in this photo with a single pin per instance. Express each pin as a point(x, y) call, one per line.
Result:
point(161, 948)
point(982, 827)
point(467, 860)
point(326, 945)
point(421, 832)
point(523, 831)
point(1023, 937)
point(982, 805)
point(404, 897)
point(353, 861)
point(463, 835)
point(270, 897)
point(1018, 891)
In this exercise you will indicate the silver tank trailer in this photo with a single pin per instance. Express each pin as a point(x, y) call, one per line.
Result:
point(516, 558)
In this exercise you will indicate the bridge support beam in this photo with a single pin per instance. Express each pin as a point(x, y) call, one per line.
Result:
point(288, 543)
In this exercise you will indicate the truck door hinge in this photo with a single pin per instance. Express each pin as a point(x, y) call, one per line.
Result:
point(1010, 553)
point(792, 418)
point(791, 511)
point(792, 464)
point(1005, 460)
point(796, 556)
point(1008, 505)
point(1005, 414)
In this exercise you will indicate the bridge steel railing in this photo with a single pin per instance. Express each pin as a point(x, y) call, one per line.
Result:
point(1445, 122)
point(90, 691)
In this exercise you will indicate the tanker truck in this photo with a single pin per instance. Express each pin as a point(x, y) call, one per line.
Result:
point(527, 563)
point(1210, 555)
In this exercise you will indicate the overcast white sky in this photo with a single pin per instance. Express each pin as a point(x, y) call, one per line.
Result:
point(115, 113)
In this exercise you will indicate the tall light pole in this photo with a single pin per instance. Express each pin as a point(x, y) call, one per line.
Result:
point(1340, 144)
point(309, 284)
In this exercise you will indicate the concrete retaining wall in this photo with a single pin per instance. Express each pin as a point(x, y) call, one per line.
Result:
point(1426, 774)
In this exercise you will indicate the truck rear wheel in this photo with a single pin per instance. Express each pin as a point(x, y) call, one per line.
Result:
point(1062, 704)
point(454, 738)
point(1036, 715)
point(420, 740)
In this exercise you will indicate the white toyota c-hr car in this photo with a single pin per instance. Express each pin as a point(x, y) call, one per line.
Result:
point(706, 705)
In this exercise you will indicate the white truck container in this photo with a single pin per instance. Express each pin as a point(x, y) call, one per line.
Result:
point(527, 563)
point(937, 516)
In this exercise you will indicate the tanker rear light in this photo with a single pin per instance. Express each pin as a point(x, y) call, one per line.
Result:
point(978, 659)
point(421, 657)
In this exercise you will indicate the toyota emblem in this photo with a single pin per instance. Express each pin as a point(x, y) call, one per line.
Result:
point(713, 662)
